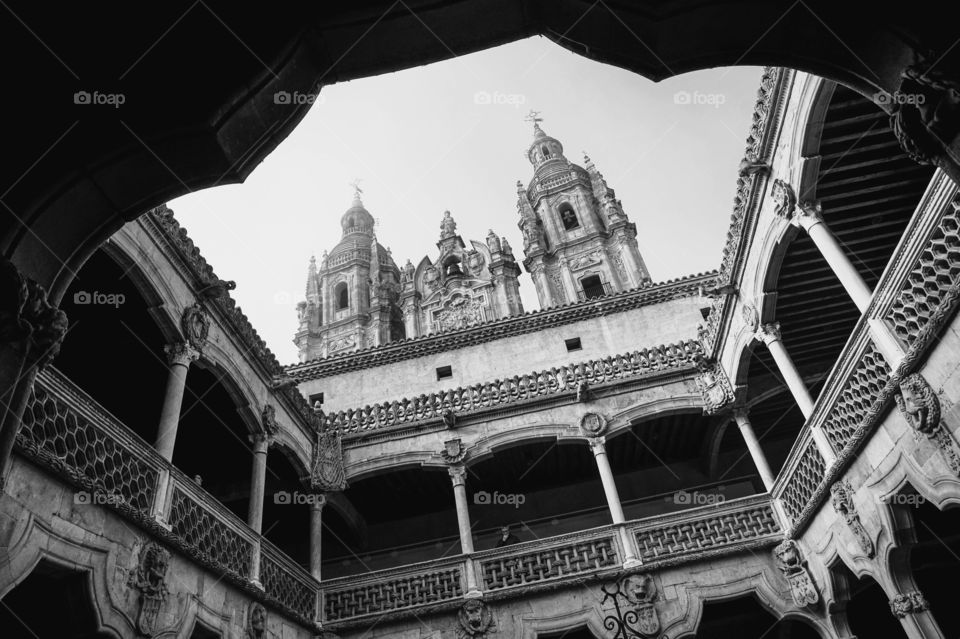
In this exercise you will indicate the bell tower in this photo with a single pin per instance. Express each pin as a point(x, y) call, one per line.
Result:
point(352, 297)
point(577, 241)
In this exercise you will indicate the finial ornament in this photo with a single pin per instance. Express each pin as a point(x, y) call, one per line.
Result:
point(533, 116)
point(357, 191)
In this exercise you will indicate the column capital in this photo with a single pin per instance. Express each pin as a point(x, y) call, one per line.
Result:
point(769, 333)
point(458, 473)
point(261, 441)
point(740, 414)
point(318, 500)
point(181, 353)
point(908, 603)
point(808, 214)
point(598, 445)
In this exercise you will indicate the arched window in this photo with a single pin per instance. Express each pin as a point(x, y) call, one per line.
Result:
point(545, 151)
point(342, 296)
point(593, 287)
point(568, 216)
point(451, 266)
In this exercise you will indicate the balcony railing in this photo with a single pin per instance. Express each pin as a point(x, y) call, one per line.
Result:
point(551, 562)
point(68, 433)
point(915, 298)
point(519, 388)
point(601, 290)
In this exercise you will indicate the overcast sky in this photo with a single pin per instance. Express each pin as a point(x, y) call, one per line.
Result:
point(452, 135)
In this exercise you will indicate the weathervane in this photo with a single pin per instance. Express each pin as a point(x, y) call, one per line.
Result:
point(533, 116)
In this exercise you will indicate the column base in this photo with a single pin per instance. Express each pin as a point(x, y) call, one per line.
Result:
point(256, 584)
point(160, 521)
point(473, 594)
point(632, 562)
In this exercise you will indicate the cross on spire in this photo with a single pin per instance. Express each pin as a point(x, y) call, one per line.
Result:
point(533, 116)
point(357, 191)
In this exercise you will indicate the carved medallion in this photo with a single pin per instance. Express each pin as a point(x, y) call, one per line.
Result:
point(714, 386)
point(256, 621)
point(751, 318)
point(195, 325)
point(593, 424)
point(149, 579)
point(326, 467)
point(453, 451)
point(630, 604)
point(790, 562)
point(843, 504)
point(474, 620)
point(784, 199)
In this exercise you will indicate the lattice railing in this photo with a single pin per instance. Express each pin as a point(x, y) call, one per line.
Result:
point(77, 438)
point(731, 525)
point(537, 565)
point(861, 391)
point(392, 593)
point(515, 389)
point(282, 582)
point(803, 482)
point(201, 529)
point(932, 280)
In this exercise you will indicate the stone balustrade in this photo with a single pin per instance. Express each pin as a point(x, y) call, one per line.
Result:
point(552, 562)
point(69, 434)
point(916, 296)
point(518, 388)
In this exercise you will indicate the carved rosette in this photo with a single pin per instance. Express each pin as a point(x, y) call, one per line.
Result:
point(195, 325)
point(256, 621)
point(920, 407)
point(149, 578)
point(474, 620)
point(791, 564)
point(784, 199)
point(843, 504)
point(908, 603)
point(326, 467)
point(714, 387)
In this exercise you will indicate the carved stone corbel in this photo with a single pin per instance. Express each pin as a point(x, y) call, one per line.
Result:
point(926, 111)
point(791, 564)
point(843, 504)
point(474, 620)
point(920, 407)
point(908, 603)
point(149, 578)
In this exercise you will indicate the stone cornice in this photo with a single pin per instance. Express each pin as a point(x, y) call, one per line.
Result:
point(500, 328)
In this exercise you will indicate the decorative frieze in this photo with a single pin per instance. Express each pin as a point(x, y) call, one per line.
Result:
point(843, 503)
point(908, 603)
point(790, 562)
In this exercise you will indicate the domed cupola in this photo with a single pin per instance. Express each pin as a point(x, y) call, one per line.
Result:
point(544, 149)
point(357, 219)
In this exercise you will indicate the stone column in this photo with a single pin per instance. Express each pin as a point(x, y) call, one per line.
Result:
point(316, 533)
point(569, 282)
point(458, 475)
point(753, 445)
point(179, 357)
point(613, 499)
point(809, 217)
point(258, 478)
point(770, 335)
point(543, 284)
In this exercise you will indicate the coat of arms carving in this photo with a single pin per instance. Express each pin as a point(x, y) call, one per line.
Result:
point(630, 604)
point(326, 469)
point(195, 325)
point(790, 562)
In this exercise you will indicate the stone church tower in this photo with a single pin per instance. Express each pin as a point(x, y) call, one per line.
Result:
point(352, 296)
point(466, 285)
point(577, 241)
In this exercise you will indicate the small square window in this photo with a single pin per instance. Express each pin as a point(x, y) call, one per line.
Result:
point(573, 344)
point(705, 312)
point(316, 398)
point(444, 372)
